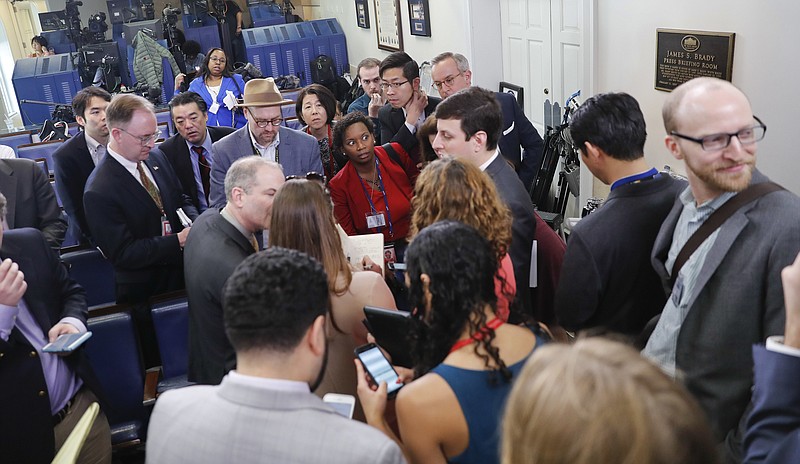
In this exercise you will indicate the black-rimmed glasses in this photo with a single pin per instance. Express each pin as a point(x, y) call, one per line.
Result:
point(393, 85)
point(262, 123)
point(716, 142)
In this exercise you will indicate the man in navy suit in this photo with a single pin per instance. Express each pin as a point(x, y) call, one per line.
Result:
point(468, 127)
point(131, 201)
point(44, 394)
point(296, 151)
point(189, 151)
point(408, 106)
point(451, 73)
point(773, 427)
point(75, 160)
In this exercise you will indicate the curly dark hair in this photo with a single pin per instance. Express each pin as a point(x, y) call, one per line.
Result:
point(461, 265)
point(341, 127)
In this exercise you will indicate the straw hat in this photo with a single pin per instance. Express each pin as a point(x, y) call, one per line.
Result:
point(262, 92)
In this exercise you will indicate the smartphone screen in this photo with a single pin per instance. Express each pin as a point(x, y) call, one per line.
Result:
point(378, 367)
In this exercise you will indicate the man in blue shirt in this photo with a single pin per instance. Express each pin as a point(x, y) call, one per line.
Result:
point(368, 74)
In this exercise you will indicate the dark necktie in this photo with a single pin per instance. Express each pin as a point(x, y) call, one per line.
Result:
point(151, 189)
point(205, 170)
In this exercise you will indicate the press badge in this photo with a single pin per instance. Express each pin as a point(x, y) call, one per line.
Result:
point(166, 227)
point(213, 108)
point(376, 220)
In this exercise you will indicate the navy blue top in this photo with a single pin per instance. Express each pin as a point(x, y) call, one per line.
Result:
point(482, 405)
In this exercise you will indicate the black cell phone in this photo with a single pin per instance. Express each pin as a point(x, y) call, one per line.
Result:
point(378, 367)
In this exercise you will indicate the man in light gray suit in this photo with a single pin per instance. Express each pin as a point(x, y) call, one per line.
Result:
point(263, 136)
point(275, 305)
point(728, 295)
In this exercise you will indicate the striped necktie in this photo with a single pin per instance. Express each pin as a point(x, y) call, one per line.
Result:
point(205, 170)
point(151, 189)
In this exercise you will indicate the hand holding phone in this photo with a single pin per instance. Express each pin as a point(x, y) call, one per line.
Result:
point(67, 343)
point(378, 368)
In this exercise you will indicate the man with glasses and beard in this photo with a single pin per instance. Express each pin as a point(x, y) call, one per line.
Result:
point(275, 304)
point(727, 293)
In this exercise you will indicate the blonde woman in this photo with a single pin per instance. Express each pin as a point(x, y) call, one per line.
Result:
point(599, 402)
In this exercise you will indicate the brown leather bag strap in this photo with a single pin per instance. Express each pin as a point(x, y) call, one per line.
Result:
point(718, 218)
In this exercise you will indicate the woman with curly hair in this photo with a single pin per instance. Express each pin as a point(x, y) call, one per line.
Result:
point(451, 413)
point(302, 219)
point(452, 189)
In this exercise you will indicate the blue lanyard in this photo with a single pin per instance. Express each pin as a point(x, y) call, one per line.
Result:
point(383, 192)
point(652, 173)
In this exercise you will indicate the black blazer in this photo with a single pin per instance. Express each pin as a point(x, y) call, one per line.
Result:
point(51, 296)
point(518, 131)
point(523, 227)
point(126, 225)
point(211, 355)
point(72, 165)
point(393, 127)
point(177, 153)
point(30, 200)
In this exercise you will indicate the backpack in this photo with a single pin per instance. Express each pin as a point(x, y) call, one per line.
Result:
point(323, 71)
point(352, 94)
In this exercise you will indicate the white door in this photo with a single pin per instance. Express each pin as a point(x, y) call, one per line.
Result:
point(544, 50)
point(547, 50)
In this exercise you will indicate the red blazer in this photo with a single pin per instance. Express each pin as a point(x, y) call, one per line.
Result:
point(350, 204)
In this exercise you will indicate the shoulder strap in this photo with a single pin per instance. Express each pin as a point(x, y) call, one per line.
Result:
point(719, 217)
point(392, 154)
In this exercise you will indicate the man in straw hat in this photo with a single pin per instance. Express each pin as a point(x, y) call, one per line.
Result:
point(295, 151)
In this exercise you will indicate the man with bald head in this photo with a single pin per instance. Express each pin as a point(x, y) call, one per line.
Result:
point(727, 295)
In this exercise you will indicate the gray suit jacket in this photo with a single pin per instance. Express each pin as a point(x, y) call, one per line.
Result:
point(299, 155)
point(738, 302)
point(30, 200)
point(238, 422)
point(523, 229)
point(212, 252)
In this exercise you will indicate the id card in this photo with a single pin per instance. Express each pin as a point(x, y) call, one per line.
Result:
point(213, 108)
point(166, 227)
point(389, 255)
point(376, 220)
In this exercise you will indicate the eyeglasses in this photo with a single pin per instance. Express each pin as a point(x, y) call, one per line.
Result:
point(394, 85)
point(218, 60)
point(716, 142)
point(447, 80)
point(315, 176)
point(262, 123)
point(143, 139)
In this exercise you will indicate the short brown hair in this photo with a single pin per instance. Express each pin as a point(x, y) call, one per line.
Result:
point(600, 402)
point(121, 109)
point(367, 63)
point(427, 129)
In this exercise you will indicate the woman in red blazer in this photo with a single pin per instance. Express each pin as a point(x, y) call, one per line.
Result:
point(373, 192)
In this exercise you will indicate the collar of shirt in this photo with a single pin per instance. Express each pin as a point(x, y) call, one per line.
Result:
point(92, 145)
point(130, 166)
point(485, 165)
point(206, 144)
point(229, 217)
point(270, 384)
point(262, 149)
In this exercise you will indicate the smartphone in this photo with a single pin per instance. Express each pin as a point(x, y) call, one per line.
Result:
point(67, 343)
point(185, 221)
point(343, 404)
point(378, 367)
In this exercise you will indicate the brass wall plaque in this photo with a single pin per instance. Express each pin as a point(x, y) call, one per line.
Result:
point(682, 55)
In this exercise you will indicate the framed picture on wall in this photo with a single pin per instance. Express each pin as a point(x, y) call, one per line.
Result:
point(515, 90)
point(362, 14)
point(387, 18)
point(419, 16)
